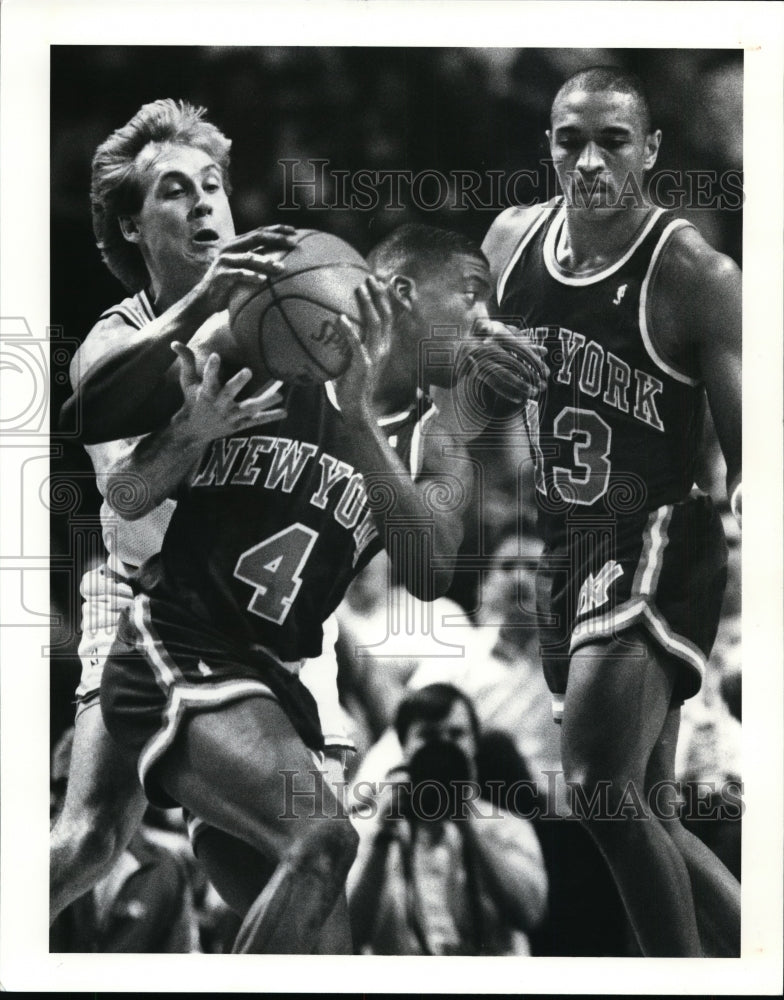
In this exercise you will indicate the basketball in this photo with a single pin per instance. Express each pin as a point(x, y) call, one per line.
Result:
point(290, 325)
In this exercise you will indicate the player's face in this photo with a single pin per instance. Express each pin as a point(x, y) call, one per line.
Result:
point(455, 728)
point(450, 299)
point(600, 150)
point(185, 216)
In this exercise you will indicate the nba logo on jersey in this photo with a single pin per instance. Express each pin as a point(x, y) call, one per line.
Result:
point(619, 294)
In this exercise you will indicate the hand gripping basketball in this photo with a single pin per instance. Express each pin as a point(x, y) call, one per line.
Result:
point(290, 326)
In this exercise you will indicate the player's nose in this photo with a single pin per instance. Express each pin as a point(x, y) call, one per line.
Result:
point(590, 159)
point(201, 204)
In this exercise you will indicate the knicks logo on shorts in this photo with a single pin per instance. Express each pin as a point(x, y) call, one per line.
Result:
point(593, 593)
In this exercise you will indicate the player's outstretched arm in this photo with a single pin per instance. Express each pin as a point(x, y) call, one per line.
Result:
point(137, 474)
point(125, 386)
point(393, 493)
point(697, 296)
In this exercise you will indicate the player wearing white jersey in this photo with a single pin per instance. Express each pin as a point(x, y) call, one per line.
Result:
point(104, 801)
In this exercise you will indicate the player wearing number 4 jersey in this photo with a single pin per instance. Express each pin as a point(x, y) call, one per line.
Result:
point(641, 320)
point(272, 521)
point(161, 216)
point(104, 802)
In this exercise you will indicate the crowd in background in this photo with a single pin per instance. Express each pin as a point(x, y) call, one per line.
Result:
point(405, 112)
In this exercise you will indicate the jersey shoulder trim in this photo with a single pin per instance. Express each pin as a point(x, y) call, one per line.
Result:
point(137, 310)
point(528, 234)
point(647, 334)
point(387, 421)
point(578, 281)
point(417, 452)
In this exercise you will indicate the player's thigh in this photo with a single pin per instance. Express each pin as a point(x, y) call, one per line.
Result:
point(617, 699)
point(661, 766)
point(102, 781)
point(244, 769)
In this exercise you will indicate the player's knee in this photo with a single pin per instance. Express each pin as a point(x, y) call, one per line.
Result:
point(87, 845)
point(340, 843)
point(331, 846)
point(598, 787)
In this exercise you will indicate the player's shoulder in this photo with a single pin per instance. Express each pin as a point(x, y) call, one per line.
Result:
point(691, 263)
point(109, 332)
point(696, 290)
point(509, 229)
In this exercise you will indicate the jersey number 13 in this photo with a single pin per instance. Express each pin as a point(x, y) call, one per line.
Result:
point(588, 476)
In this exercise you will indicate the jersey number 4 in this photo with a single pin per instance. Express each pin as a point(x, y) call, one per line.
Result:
point(273, 569)
point(590, 436)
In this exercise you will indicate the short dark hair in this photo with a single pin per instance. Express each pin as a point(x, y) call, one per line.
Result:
point(432, 704)
point(415, 247)
point(609, 78)
point(116, 190)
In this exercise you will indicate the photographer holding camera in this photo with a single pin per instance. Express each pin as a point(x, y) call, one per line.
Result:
point(441, 871)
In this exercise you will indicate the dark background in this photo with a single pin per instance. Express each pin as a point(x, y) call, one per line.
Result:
point(360, 108)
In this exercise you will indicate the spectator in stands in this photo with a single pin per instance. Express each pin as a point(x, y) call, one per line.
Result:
point(437, 873)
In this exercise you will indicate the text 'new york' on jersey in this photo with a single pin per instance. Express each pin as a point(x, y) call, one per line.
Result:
point(271, 530)
point(616, 433)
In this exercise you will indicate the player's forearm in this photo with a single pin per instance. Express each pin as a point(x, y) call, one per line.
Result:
point(152, 470)
point(395, 497)
point(132, 389)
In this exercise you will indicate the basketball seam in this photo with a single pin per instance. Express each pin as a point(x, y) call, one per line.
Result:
point(315, 267)
point(277, 301)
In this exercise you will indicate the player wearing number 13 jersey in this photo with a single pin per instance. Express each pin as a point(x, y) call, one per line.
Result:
point(615, 442)
point(641, 321)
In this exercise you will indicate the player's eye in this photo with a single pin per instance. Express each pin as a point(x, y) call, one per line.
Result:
point(471, 295)
point(174, 191)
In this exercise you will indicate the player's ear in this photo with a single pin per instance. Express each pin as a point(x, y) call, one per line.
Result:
point(652, 143)
point(129, 228)
point(402, 290)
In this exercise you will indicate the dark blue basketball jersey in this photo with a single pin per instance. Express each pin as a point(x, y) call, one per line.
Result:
point(617, 431)
point(270, 531)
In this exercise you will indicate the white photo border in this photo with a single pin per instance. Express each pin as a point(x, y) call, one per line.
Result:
point(30, 27)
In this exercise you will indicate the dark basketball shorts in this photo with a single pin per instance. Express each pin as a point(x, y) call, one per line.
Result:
point(152, 680)
point(663, 572)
